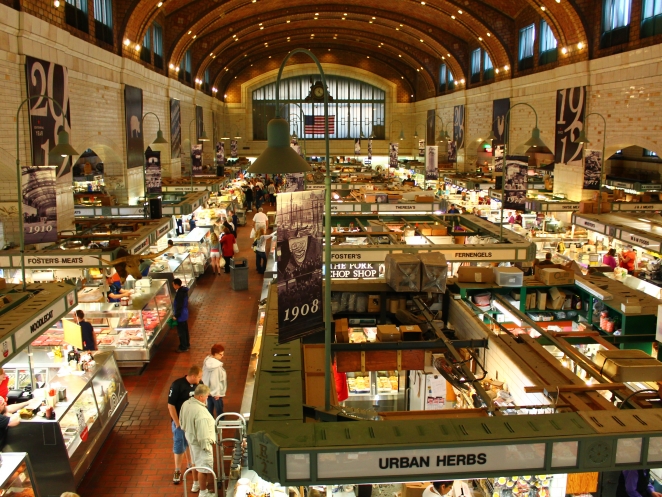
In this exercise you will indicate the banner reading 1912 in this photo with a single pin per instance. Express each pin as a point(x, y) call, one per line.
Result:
point(570, 109)
point(46, 119)
point(299, 252)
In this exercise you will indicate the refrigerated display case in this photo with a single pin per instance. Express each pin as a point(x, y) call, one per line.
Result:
point(130, 331)
point(379, 390)
point(17, 475)
point(63, 450)
point(174, 266)
point(196, 243)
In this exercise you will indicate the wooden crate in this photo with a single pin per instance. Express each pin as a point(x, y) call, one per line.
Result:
point(380, 360)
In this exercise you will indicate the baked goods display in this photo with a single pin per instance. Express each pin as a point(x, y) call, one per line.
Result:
point(18, 484)
point(387, 382)
point(358, 383)
point(526, 485)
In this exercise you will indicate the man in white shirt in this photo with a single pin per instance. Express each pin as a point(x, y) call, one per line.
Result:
point(260, 220)
point(442, 488)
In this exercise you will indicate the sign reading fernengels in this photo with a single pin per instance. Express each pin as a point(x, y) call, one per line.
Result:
point(452, 254)
point(425, 461)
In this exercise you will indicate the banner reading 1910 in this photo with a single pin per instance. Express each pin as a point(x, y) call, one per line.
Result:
point(299, 251)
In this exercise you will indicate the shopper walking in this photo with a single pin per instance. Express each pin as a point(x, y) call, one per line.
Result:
point(260, 220)
point(271, 190)
point(181, 390)
point(227, 246)
point(260, 244)
point(215, 253)
point(214, 376)
point(181, 314)
point(248, 193)
point(198, 426)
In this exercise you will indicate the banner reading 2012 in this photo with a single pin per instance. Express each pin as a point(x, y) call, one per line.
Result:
point(299, 252)
point(46, 118)
point(570, 109)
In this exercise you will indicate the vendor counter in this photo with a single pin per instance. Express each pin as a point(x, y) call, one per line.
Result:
point(61, 451)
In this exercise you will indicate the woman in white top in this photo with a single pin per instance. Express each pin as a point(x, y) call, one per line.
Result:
point(260, 244)
point(214, 376)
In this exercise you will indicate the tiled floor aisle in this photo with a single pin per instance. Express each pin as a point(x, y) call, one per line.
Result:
point(136, 459)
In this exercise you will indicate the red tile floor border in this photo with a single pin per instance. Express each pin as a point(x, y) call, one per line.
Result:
point(136, 459)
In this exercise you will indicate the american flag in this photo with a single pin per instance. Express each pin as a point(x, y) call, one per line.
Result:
point(314, 125)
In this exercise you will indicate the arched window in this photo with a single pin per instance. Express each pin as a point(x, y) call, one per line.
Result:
point(356, 108)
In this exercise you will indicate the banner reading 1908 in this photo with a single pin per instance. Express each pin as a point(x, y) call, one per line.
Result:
point(46, 118)
point(299, 252)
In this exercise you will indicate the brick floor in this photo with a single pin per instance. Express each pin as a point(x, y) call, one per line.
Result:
point(136, 459)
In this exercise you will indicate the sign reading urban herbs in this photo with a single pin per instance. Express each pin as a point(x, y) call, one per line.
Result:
point(46, 118)
point(175, 129)
point(299, 252)
point(458, 126)
point(500, 108)
point(570, 110)
point(133, 112)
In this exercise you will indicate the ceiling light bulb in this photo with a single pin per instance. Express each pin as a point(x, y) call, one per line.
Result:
point(496, 70)
point(127, 42)
point(176, 69)
point(214, 90)
point(172, 66)
point(260, 24)
point(137, 47)
point(317, 13)
point(345, 14)
point(402, 77)
point(564, 50)
point(558, 1)
point(159, 5)
point(580, 45)
point(397, 29)
point(288, 21)
point(399, 55)
point(542, 7)
point(261, 27)
point(459, 12)
point(505, 68)
point(422, 3)
point(480, 38)
point(195, 36)
point(56, 3)
point(401, 25)
point(448, 55)
point(418, 70)
point(189, 32)
point(374, 18)
point(462, 81)
point(343, 18)
point(489, 34)
point(421, 40)
point(452, 17)
point(443, 57)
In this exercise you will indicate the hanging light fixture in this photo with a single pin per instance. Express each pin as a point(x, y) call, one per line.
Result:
point(63, 149)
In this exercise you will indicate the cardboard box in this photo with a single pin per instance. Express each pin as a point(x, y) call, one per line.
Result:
point(424, 199)
point(434, 271)
point(342, 324)
point(556, 300)
point(628, 365)
point(411, 333)
point(541, 300)
point(403, 272)
point(388, 333)
point(342, 336)
point(440, 231)
point(393, 305)
point(554, 276)
point(605, 207)
point(471, 274)
point(3, 283)
point(586, 207)
point(374, 303)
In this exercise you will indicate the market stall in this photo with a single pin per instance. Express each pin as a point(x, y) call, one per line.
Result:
point(17, 476)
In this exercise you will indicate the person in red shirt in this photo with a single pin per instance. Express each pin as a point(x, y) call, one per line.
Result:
point(628, 258)
point(227, 246)
point(4, 384)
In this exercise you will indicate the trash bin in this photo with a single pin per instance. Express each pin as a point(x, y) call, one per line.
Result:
point(239, 273)
point(241, 217)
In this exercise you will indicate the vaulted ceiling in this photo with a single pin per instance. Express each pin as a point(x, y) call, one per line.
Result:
point(408, 37)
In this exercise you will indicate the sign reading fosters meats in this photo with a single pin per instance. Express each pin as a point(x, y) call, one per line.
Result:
point(46, 118)
point(570, 109)
point(421, 461)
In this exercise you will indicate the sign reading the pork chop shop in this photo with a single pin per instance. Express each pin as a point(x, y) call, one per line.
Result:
point(425, 461)
point(355, 270)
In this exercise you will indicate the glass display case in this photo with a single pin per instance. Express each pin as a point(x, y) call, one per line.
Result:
point(91, 402)
point(16, 475)
point(171, 266)
point(196, 243)
point(131, 331)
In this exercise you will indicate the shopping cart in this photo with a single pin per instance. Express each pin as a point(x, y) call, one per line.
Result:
point(230, 443)
point(197, 468)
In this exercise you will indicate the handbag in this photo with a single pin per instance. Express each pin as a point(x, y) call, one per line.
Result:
point(221, 263)
point(235, 247)
point(254, 246)
point(252, 233)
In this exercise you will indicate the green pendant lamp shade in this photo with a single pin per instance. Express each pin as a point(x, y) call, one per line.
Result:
point(203, 136)
point(582, 138)
point(279, 156)
point(402, 134)
point(159, 139)
point(535, 140)
point(488, 141)
point(63, 149)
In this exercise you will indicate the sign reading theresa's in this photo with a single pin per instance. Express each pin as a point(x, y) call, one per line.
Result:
point(429, 461)
point(299, 252)
point(41, 322)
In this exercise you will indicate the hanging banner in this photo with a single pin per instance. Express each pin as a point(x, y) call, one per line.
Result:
point(516, 180)
point(175, 129)
point(429, 128)
point(46, 119)
point(500, 108)
point(570, 109)
point(196, 159)
point(293, 183)
point(458, 126)
point(153, 171)
point(299, 251)
point(133, 112)
point(39, 204)
point(498, 159)
point(370, 149)
point(220, 153)
point(421, 148)
point(393, 155)
point(199, 122)
point(432, 163)
point(592, 169)
point(357, 146)
point(452, 151)
point(233, 149)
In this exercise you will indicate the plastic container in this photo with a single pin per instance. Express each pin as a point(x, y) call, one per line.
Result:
point(509, 276)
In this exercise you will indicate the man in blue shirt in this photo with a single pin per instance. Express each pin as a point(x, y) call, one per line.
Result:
point(87, 332)
point(636, 483)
